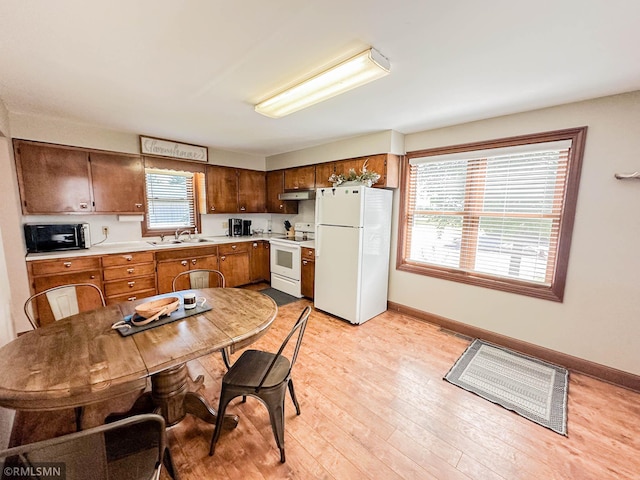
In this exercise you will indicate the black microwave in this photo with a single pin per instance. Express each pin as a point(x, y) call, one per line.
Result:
point(56, 236)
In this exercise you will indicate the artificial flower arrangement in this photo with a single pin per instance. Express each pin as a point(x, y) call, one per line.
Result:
point(366, 177)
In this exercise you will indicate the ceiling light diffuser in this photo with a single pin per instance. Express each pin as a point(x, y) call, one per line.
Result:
point(359, 70)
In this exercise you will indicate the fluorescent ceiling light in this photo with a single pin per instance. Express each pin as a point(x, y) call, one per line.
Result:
point(359, 70)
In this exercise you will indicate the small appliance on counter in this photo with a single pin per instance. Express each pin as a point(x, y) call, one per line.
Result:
point(246, 227)
point(235, 227)
point(56, 236)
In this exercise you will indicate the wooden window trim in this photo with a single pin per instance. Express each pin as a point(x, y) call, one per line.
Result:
point(555, 291)
point(198, 204)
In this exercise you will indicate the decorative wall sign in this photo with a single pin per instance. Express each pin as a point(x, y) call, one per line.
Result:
point(169, 148)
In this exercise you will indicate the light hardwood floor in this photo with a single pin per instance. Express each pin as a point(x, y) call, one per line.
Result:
point(374, 406)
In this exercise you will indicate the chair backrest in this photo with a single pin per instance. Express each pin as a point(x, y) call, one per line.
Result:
point(200, 278)
point(130, 449)
point(299, 327)
point(62, 301)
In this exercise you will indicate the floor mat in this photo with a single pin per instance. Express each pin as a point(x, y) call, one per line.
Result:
point(281, 298)
point(532, 388)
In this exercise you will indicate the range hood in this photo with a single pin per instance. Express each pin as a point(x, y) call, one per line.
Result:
point(299, 195)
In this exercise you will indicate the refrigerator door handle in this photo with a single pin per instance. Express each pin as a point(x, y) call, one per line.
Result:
point(318, 242)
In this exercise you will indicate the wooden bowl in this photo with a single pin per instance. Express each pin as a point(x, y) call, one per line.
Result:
point(162, 306)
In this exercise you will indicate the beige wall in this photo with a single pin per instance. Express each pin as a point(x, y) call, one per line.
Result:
point(388, 141)
point(599, 319)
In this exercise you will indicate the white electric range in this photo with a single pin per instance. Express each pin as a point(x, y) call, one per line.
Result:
point(285, 259)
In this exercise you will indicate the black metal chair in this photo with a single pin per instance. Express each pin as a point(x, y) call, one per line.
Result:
point(61, 302)
point(129, 449)
point(265, 376)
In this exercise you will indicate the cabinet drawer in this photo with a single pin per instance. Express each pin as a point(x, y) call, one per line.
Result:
point(180, 253)
point(308, 253)
point(130, 297)
point(134, 285)
point(126, 259)
point(137, 270)
point(43, 283)
point(231, 248)
point(63, 265)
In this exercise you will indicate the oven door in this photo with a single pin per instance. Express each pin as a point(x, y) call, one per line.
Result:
point(285, 259)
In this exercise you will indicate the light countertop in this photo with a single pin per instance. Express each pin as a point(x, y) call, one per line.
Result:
point(143, 246)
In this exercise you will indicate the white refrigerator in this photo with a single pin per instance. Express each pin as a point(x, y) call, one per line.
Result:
point(353, 231)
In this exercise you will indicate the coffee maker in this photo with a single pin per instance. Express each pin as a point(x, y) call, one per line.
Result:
point(246, 227)
point(235, 227)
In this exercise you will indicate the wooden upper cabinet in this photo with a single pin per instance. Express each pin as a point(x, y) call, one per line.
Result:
point(300, 178)
point(251, 191)
point(323, 172)
point(222, 189)
point(118, 183)
point(386, 164)
point(275, 186)
point(52, 179)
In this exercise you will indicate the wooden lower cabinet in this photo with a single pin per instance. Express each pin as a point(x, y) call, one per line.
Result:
point(234, 263)
point(308, 272)
point(259, 261)
point(128, 276)
point(172, 262)
point(46, 274)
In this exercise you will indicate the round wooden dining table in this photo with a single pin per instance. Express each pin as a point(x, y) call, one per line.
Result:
point(81, 360)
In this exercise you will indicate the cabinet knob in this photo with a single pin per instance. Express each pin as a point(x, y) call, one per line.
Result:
point(213, 209)
point(138, 205)
point(184, 263)
point(92, 277)
point(281, 206)
point(304, 262)
point(131, 299)
point(233, 247)
point(84, 206)
point(223, 258)
point(131, 284)
point(67, 264)
point(255, 245)
point(242, 209)
point(128, 258)
point(131, 270)
point(194, 261)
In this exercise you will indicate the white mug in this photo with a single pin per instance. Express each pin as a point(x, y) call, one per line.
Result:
point(191, 301)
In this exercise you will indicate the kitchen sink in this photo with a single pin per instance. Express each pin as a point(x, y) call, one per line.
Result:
point(177, 242)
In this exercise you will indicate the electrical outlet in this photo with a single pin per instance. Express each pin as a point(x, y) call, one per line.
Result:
point(105, 231)
point(225, 224)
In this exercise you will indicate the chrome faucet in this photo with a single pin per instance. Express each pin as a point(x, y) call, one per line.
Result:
point(178, 233)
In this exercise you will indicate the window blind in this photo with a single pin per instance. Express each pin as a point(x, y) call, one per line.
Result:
point(495, 212)
point(170, 199)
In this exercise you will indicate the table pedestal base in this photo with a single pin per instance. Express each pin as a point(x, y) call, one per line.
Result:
point(173, 394)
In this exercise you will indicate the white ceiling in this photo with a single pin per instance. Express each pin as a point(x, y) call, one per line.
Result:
point(192, 70)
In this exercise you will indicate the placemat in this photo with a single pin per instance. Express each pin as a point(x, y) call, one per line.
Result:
point(179, 314)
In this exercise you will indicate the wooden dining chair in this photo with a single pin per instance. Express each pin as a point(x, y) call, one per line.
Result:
point(129, 449)
point(201, 278)
point(61, 302)
point(265, 376)
point(198, 278)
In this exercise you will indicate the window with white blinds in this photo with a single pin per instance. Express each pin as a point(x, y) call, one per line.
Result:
point(493, 213)
point(170, 200)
